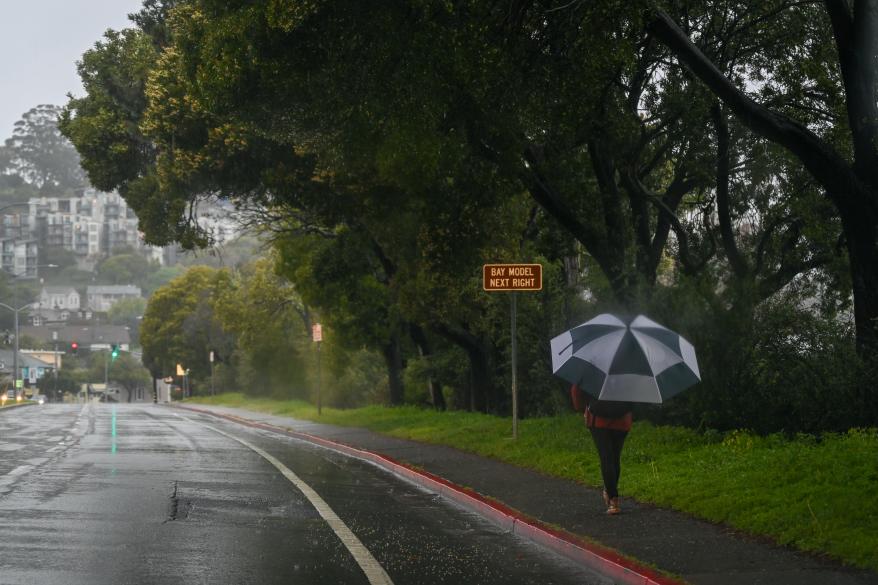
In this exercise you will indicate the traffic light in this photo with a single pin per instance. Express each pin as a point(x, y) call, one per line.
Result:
point(114, 352)
point(74, 347)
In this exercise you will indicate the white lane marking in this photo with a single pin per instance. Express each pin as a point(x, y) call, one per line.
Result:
point(374, 571)
point(19, 470)
point(12, 476)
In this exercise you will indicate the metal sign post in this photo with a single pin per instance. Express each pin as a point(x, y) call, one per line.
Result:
point(513, 277)
point(317, 335)
point(514, 367)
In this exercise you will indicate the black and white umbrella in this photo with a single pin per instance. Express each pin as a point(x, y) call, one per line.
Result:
point(640, 361)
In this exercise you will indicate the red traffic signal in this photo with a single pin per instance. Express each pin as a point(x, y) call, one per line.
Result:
point(73, 347)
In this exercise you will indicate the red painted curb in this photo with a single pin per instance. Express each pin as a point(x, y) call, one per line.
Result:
point(599, 558)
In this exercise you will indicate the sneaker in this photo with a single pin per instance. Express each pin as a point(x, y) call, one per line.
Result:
point(613, 507)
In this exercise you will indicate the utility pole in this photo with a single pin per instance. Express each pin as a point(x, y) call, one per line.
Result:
point(55, 363)
point(16, 311)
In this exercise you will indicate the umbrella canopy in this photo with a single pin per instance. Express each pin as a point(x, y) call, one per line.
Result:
point(640, 361)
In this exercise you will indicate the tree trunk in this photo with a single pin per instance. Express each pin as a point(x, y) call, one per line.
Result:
point(480, 376)
point(861, 234)
point(437, 399)
point(393, 359)
point(480, 387)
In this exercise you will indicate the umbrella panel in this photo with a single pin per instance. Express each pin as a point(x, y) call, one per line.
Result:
point(600, 352)
point(585, 334)
point(675, 379)
point(584, 374)
point(631, 388)
point(629, 358)
point(665, 336)
point(659, 355)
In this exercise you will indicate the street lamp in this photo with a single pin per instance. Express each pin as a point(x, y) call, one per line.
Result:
point(15, 351)
point(17, 329)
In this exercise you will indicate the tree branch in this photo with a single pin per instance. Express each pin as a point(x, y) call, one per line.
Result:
point(727, 234)
point(821, 160)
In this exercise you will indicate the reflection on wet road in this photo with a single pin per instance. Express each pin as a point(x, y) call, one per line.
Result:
point(115, 494)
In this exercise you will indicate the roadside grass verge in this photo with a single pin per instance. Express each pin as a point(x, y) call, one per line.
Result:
point(818, 495)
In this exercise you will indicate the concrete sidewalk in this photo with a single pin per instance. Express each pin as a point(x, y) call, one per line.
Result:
point(698, 552)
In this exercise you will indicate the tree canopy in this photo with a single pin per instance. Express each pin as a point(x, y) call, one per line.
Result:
point(709, 164)
point(39, 154)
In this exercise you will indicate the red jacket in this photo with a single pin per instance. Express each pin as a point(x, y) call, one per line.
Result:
point(580, 404)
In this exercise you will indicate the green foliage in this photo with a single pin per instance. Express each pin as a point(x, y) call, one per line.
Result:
point(68, 381)
point(160, 277)
point(62, 259)
point(264, 316)
point(259, 331)
point(779, 367)
point(39, 154)
point(336, 276)
point(349, 378)
point(28, 342)
point(128, 372)
point(236, 253)
point(72, 276)
point(103, 125)
point(129, 313)
point(563, 136)
point(125, 269)
point(126, 311)
point(179, 325)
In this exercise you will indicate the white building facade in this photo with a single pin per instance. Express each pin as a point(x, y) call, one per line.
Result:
point(19, 257)
point(59, 297)
point(101, 298)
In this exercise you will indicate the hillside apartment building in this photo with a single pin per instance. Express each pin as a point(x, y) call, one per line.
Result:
point(91, 225)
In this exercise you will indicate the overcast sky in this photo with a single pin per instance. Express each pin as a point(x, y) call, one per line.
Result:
point(40, 43)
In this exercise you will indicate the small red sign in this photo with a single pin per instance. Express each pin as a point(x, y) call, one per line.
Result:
point(317, 332)
point(510, 277)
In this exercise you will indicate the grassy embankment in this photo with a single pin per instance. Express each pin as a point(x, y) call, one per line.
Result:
point(819, 496)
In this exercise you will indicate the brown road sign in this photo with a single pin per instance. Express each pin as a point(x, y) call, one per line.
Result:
point(506, 277)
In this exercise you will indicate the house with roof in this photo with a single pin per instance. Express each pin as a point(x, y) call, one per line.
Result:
point(31, 367)
point(59, 297)
point(55, 303)
point(102, 297)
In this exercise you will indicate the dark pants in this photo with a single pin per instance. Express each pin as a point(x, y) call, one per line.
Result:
point(609, 443)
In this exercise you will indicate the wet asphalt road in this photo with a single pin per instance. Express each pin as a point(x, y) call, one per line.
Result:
point(143, 494)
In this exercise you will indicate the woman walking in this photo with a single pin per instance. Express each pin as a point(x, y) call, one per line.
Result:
point(609, 423)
